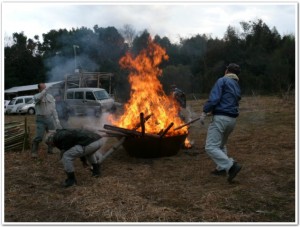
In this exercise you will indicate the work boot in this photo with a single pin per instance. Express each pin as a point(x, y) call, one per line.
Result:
point(219, 172)
point(96, 170)
point(233, 171)
point(71, 180)
point(34, 149)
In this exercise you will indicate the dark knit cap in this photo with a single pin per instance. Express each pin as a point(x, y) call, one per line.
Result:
point(234, 68)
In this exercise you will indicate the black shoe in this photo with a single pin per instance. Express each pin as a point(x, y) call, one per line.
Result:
point(219, 172)
point(233, 171)
point(96, 170)
point(71, 180)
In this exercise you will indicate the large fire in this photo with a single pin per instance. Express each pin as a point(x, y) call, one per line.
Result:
point(147, 95)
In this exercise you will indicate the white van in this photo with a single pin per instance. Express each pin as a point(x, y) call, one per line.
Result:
point(89, 101)
point(15, 103)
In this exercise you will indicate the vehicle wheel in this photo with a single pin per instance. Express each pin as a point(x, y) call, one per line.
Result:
point(31, 111)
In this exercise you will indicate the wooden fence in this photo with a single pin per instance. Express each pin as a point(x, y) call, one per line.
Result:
point(16, 136)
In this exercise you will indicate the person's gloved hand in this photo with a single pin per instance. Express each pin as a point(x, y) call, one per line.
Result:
point(84, 162)
point(202, 117)
point(44, 91)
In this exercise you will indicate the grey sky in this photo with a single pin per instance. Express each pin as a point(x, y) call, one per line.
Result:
point(173, 20)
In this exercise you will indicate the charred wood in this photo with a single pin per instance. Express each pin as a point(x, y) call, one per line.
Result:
point(128, 131)
point(166, 130)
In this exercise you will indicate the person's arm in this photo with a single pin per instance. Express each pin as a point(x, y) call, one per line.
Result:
point(55, 116)
point(214, 97)
point(39, 96)
point(84, 162)
point(213, 100)
point(54, 112)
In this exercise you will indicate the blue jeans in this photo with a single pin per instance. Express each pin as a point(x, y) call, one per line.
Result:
point(43, 124)
point(217, 135)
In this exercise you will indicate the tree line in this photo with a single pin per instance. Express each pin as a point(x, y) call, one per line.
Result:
point(267, 59)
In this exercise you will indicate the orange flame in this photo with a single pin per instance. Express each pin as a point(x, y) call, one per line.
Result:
point(147, 95)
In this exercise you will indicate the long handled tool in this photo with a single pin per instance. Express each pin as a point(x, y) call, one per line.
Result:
point(187, 124)
point(113, 148)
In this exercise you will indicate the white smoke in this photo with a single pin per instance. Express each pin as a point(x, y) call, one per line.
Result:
point(60, 66)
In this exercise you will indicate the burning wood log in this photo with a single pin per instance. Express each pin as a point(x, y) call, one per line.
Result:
point(128, 131)
point(166, 130)
point(160, 132)
point(145, 119)
point(142, 122)
point(113, 134)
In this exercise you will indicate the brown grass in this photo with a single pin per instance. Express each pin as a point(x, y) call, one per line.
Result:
point(169, 189)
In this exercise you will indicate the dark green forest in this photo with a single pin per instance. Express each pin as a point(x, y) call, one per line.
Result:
point(267, 59)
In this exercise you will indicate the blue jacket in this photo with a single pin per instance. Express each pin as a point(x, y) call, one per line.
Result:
point(224, 98)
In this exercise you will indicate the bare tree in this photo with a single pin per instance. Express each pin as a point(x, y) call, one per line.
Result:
point(8, 40)
point(128, 33)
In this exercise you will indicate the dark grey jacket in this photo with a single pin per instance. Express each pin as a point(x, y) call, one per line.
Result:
point(64, 139)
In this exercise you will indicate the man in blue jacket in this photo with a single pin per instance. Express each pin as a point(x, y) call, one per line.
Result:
point(223, 104)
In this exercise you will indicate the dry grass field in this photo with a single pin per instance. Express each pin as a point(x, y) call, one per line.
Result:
point(179, 188)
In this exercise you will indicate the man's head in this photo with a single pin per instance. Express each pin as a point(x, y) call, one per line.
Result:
point(41, 86)
point(233, 68)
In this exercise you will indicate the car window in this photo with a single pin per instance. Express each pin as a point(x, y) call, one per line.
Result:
point(89, 95)
point(101, 95)
point(70, 95)
point(12, 102)
point(19, 101)
point(78, 94)
point(30, 101)
point(27, 100)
